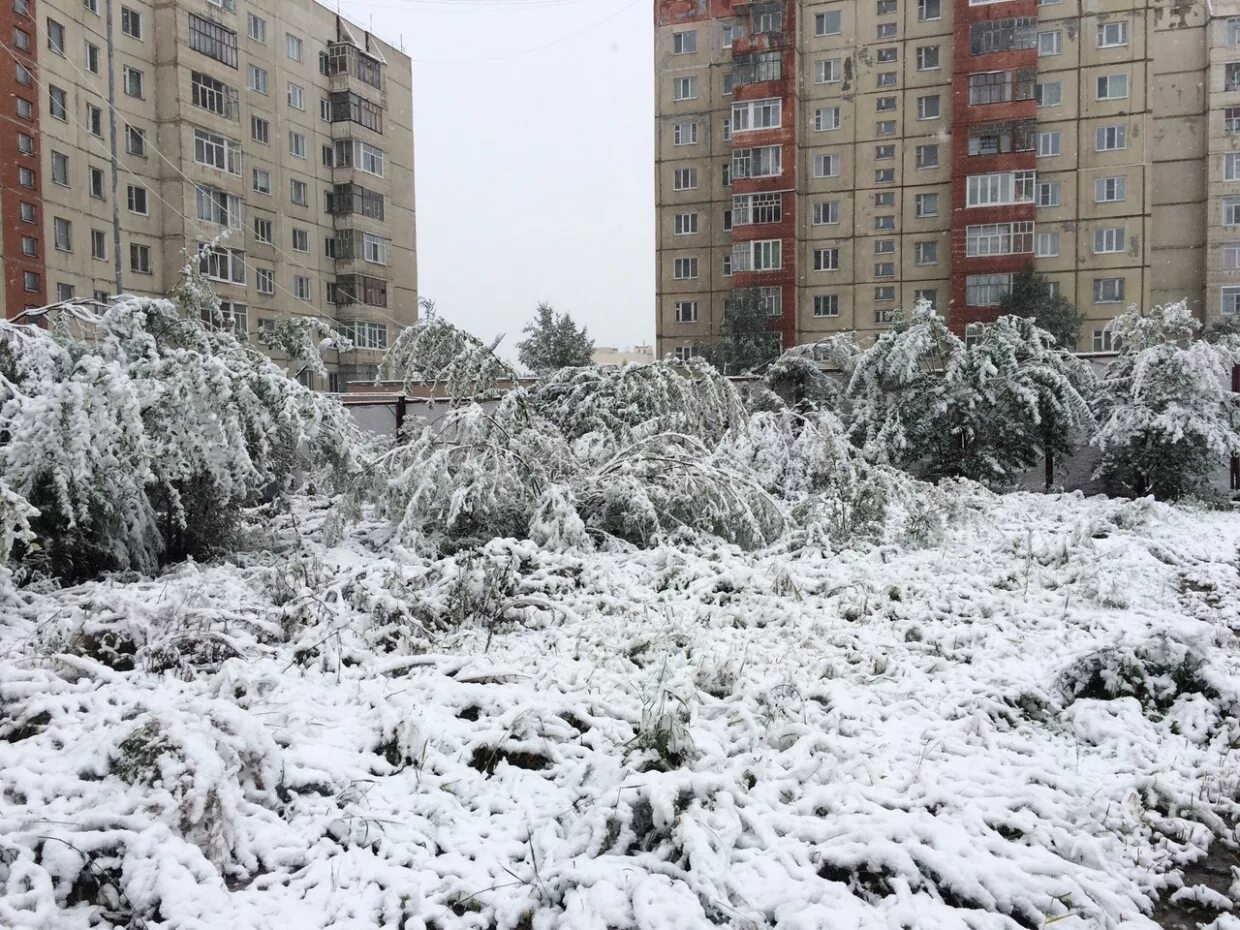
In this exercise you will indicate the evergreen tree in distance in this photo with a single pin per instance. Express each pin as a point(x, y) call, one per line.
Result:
point(553, 341)
point(1031, 297)
point(745, 342)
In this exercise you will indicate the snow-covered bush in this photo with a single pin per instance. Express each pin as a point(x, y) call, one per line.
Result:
point(923, 400)
point(303, 340)
point(139, 440)
point(1168, 415)
point(621, 405)
point(434, 352)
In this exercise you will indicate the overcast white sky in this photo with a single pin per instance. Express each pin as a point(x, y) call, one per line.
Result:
point(533, 136)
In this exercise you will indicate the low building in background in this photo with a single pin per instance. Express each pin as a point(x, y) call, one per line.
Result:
point(848, 157)
point(609, 355)
point(275, 133)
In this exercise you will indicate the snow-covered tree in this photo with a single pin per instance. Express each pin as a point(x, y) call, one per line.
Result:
point(444, 357)
point(1169, 418)
point(1031, 297)
point(553, 341)
point(303, 340)
point(808, 377)
point(923, 400)
point(140, 440)
point(898, 390)
point(745, 339)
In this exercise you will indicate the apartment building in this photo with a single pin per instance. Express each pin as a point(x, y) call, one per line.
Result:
point(848, 157)
point(268, 141)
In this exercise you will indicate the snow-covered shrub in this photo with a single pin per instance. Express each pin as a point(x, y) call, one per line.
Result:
point(797, 378)
point(923, 400)
point(139, 441)
point(636, 402)
point(1168, 417)
point(434, 352)
point(303, 340)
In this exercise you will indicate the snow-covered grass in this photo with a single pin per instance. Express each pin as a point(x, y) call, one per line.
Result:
point(1031, 719)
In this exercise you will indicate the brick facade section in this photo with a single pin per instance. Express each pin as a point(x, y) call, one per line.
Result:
point(13, 160)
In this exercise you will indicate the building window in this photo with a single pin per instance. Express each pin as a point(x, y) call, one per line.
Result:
point(686, 224)
point(293, 46)
point(28, 213)
point(684, 88)
point(135, 141)
point(301, 240)
point(989, 87)
point(726, 263)
point(926, 253)
point(95, 176)
point(1231, 211)
point(1049, 144)
point(1104, 339)
point(1108, 290)
point(213, 40)
point(684, 43)
point(98, 244)
point(135, 82)
point(257, 79)
point(827, 166)
point(260, 130)
point(30, 246)
point(62, 234)
point(927, 156)
point(884, 269)
point(265, 280)
point(1050, 43)
point(1048, 93)
point(826, 119)
point(827, 24)
point(256, 28)
point(23, 77)
point(731, 32)
point(219, 207)
point(1001, 187)
point(1108, 240)
point(1230, 301)
point(353, 108)
point(136, 197)
point(1113, 87)
point(888, 55)
point(887, 30)
point(827, 71)
point(885, 127)
point(220, 264)
point(131, 23)
point(58, 102)
point(986, 290)
point(686, 311)
point(264, 231)
point(299, 192)
point(92, 58)
point(927, 205)
point(826, 305)
point(215, 151)
point(884, 294)
point(684, 179)
point(928, 58)
point(884, 104)
point(757, 114)
point(884, 223)
point(1003, 35)
point(94, 120)
point(1113, 34)
point(885, 176)
point(762, 162)
point(1231, 166)
point(301, 287)
point(56, 37)
point(685, 134)
point(684, 269)
point(999, 239)
point(1110, 190)
point(929, 9)
point(827, 259)
point(1046, 245)
point(25, 143)
point(60, 169)
point(140, 258)
point(928, 107)
point(1003, 137)
point(759, 255)
point(886, 79)
point(297, 144)
point(31, 281)
point(1111, 138)
point(214, 96)
point(262, 181)
point(296, 96)
point(1050, 194)
point(826, 213)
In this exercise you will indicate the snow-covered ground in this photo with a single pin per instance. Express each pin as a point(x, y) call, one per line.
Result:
point(1031, 721)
